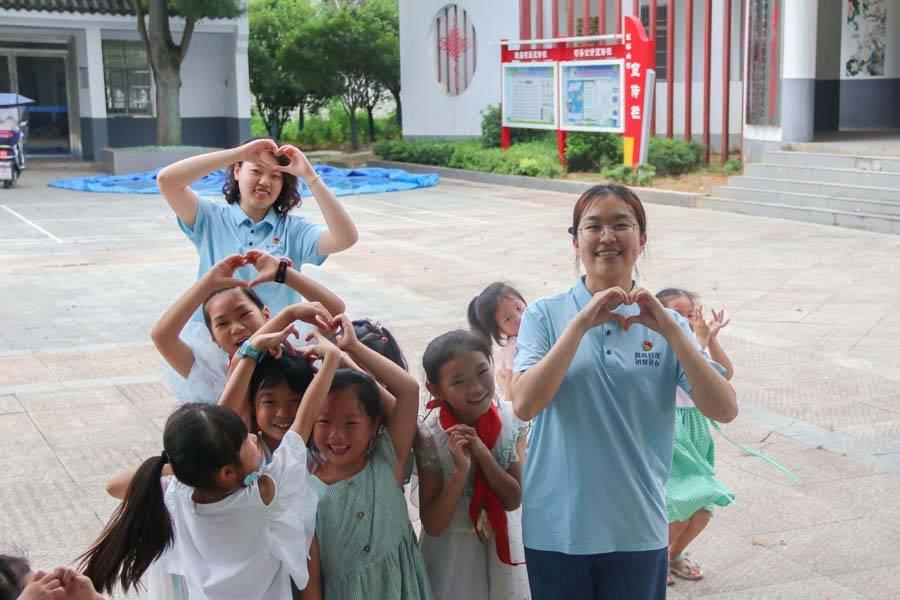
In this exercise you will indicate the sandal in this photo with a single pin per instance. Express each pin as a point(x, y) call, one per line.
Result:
point(670, 579)
point(683, 567)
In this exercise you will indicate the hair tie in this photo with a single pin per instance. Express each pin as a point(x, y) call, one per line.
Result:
point(384, 339)
point(164, 457)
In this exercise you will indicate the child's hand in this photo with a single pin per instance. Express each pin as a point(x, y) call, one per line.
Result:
point(346, 339)
point(319, 347)
point(44, 586)
point(314, 314)
point(718, 323)
point(477, 447)
point(77, 586)
point(701, 328)
point(460, 451)
point(266, 266)
point(263, 152)
point(221, 274)
point(273, 343)
point(299, 165)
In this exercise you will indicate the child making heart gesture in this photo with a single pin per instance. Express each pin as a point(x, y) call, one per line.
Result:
point(260, 192)
point(197, 358)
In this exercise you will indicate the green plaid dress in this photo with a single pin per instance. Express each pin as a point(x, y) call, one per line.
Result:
point(692, 483)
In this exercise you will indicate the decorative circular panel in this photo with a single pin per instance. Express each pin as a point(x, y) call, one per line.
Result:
point(455, 56)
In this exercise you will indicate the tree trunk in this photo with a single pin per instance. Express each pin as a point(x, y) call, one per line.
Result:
point(168, 105)
point(354, 128)
point(274, 124)
point(301, 116)
point(396, 95)
point(371, 123)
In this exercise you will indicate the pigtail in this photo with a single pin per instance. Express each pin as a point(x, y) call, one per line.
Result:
point(137, 533)
point(475, 324)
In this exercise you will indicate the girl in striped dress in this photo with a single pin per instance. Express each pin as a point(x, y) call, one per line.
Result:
point(693, 488)
point(367, 545)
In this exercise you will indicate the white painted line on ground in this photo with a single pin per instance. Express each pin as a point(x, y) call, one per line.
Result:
point(31, 223)
point(432, 212)
point(389, 215)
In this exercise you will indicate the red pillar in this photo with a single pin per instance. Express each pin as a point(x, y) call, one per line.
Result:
point(586, 17)
point(618, 16)
point(601, 17)
point(688, 67)
point(726, 79)
point(539, 18)
point(505, 137)
point(707, 49)
point(561, 147)
point(570, 18)
point(525, 21)
point(555, 17)
point(670, 68)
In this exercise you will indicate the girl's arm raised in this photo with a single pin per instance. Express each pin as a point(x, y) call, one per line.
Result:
point(401, 422)
point(341, 233)
point(165, 333)
point(311, 290)
point(174, 181)
point(314, 398)
point(236, 393)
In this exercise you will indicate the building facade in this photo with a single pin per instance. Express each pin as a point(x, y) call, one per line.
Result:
point(761, 72)
point(83, 63)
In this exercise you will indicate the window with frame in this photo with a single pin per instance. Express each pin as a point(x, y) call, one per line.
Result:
point(662, 32)
point(127, 76)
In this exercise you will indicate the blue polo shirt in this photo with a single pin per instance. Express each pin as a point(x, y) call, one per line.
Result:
point(600, 453)
point(221, 230)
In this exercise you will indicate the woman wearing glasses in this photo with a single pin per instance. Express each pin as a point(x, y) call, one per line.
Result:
point(596, 367)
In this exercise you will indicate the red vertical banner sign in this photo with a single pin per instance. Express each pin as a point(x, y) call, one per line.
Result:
point(726, 79)
point(640, 54)
point(688, 67)
point(670, 68)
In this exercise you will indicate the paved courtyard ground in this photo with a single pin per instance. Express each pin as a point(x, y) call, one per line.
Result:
point(815, 339)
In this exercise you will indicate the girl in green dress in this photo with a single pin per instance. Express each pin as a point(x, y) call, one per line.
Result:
point(693, 488)
point(367, 545)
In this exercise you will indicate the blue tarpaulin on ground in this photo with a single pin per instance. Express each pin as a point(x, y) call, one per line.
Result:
point(343, 182)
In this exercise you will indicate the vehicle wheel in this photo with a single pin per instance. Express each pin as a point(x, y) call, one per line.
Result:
point(11, 182)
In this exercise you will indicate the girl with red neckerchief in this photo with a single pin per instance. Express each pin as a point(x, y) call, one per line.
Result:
point(468, 455)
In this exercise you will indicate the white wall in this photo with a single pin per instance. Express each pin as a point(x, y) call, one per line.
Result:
point(427, 110)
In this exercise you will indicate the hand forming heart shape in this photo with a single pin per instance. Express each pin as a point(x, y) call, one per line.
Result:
point(603, 304)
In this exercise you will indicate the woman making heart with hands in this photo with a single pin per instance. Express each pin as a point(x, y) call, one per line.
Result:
point(261, 191)
point(197, 354)
point(597, 367)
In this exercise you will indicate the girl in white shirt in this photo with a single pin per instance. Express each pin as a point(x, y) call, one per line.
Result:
point(233, 529)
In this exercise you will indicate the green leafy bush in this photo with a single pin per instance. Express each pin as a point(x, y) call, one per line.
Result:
point(535, 159)
point(673, 156)
point(331, 131)
point(734, 166)
point(643, 177)
point(593, 151)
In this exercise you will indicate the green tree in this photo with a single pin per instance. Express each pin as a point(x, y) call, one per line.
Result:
point(385, 67)
point(277, 87)
point(165, 56)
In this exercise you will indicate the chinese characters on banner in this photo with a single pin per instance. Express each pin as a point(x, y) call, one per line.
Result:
point(598, 87)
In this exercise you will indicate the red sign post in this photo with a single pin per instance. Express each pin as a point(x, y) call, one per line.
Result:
point(632, 49)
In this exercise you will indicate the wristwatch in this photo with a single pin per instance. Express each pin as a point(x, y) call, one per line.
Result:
point(250, 351)
point(281, 272)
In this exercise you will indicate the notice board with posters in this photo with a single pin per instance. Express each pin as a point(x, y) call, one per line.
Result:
point(592, 98)
point(529, 95)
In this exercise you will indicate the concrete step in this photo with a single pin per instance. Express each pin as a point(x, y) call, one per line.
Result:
point(852, 205)
point(827, 175)
point(879, 223)
point(834, 161)
point(815, 187)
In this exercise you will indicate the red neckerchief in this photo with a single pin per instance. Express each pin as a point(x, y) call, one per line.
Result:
point(483, 497)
